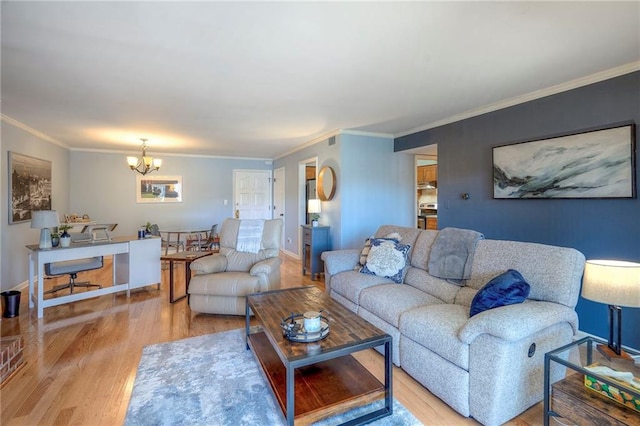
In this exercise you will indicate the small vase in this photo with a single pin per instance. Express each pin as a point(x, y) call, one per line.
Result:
point(314, 223)
point(65, 239)
point(55, 241)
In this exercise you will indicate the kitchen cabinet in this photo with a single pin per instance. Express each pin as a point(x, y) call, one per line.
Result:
point(315, 240)
point(432, 223)
point(427, 173)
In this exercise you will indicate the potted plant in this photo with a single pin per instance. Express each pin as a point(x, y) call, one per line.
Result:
point(65, 238)
point(314, 219)
point(55, 239)
point(147, 229)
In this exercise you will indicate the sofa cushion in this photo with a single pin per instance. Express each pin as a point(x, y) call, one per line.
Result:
point(436, 328)
point(349, 284)
point(554, 273)
point(386, 258)
point(390, 301)
point(507, 288)
point(442, 289)
point(407, 235)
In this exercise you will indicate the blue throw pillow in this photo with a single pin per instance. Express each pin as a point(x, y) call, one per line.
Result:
point(506, 289)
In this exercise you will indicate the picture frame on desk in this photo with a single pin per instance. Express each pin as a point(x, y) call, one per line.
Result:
point(159, 189)
point(29, 186)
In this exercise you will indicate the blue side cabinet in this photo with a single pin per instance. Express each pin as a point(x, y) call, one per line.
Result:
point(315, 240)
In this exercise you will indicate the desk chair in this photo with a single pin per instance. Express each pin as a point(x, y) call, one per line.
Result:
point(72, 267)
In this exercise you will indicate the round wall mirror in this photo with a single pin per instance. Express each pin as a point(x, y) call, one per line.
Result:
point(326, 183)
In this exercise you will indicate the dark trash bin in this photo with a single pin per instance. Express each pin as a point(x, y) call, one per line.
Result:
point(10, 303)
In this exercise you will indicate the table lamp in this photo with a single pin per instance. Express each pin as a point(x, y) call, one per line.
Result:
point(616, 283)
point(314, 207)
point(43, 220)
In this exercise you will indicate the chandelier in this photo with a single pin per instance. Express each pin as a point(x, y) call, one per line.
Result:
point(146, 164)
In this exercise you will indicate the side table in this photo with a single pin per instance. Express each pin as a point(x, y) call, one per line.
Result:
point(315, 240)
point(183, 256)
point(567, 398)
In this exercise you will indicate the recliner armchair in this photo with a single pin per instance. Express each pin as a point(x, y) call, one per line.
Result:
point(222, 280)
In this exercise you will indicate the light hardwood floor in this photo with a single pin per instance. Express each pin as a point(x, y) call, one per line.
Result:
point(81, 358)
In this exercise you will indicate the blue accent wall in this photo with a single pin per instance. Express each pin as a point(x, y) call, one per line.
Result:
point(599, 228)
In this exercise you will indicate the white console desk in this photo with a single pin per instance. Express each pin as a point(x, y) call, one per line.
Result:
point(136, 263)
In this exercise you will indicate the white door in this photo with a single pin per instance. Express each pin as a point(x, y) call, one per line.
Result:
point(278, 197)
point(252, 194)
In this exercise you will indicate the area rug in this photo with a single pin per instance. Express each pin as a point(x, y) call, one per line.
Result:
point(214, 380)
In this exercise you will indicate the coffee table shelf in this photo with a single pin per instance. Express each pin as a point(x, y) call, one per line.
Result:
point(350, 384)
point(315, 380)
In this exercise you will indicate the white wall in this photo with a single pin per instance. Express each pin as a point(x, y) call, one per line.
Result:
point(14, 238)
point(103, 187)
point(374, 186)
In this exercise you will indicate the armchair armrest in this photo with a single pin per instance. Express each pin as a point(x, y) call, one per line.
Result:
point(265, 266)
point(336, 261)
point(209, 264)
point(515, 322)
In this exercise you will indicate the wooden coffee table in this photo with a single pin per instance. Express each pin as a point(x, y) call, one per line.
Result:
point(315, 380)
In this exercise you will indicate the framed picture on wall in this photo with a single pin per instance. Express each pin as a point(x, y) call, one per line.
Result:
point(29, 186)
point(159, 189)
point(597, 163)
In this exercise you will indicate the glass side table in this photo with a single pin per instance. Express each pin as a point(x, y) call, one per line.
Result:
point(570, 398)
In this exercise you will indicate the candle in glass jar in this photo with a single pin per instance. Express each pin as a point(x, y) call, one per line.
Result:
point(312, 321)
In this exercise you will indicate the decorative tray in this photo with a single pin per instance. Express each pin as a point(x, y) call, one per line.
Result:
point(293, 329)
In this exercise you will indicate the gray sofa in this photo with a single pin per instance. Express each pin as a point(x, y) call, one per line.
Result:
point(489, 366)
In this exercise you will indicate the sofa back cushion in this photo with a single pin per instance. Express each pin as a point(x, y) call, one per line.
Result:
point(437, 287)
point(407, 235)
point(554, 273)
point(417, 275)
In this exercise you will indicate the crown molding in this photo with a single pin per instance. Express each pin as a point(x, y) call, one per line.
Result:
point(20, 125)
point(167, 154)
point(336, 132)
point(538, 94)
point(368, 134)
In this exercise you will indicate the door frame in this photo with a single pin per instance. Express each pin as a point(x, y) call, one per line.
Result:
point(302, 195)
point(280, 174)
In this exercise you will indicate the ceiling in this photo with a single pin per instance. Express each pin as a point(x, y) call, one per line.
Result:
point(261, 80)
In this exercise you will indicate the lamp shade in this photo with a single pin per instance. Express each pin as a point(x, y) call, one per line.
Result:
point(41, 219)
point(614, 282)
point(314, 206)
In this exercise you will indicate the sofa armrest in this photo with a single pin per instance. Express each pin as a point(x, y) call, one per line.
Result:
point(340, 260)
point(209, 264)
point(515, 322)
point(265, 266)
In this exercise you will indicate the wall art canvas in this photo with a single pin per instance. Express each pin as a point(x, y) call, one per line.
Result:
point(594, 164)
point(29, 186)
point(159, 189)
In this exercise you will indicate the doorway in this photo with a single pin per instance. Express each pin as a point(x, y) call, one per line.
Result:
point(307, 174)
point(427, 187)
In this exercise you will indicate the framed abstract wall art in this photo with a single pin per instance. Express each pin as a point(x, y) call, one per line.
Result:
point(29, 186)
point(158, 189)
point(597, 163)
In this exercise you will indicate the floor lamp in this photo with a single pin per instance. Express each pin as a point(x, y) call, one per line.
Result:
point(616, 283)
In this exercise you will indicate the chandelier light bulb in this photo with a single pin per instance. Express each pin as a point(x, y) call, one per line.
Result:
point(146, 163)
